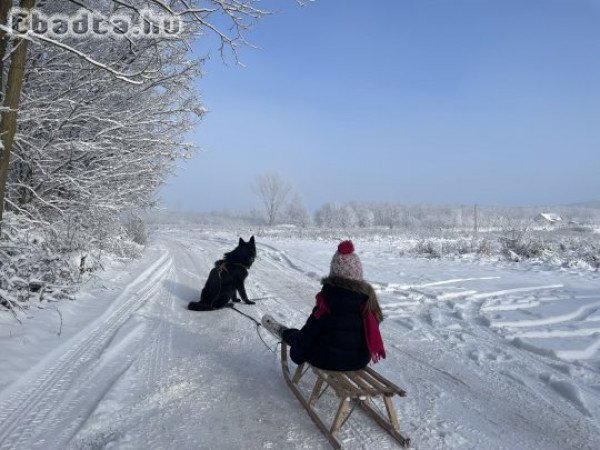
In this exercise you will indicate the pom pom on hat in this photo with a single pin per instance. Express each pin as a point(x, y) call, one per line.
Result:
point(345, 263)
point(346, 247)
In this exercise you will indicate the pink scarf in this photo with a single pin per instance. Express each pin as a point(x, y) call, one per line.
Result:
point(322, 307)
point(370, 325)
point(373, 336)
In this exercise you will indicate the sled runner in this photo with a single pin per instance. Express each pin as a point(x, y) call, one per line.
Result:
point(358, 387)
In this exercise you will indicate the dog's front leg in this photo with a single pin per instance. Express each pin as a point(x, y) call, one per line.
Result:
point(242, 290)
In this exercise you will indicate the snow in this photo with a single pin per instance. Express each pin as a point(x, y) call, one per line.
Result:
point(491, 355)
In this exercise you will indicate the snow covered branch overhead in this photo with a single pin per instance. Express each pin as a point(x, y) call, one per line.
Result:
point(103, 111)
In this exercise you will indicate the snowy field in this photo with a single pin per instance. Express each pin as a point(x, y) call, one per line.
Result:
point(491, 355)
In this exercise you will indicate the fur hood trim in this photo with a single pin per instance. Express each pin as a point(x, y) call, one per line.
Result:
point(361, 287)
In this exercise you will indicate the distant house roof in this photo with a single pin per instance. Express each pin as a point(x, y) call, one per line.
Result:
point(549, 217)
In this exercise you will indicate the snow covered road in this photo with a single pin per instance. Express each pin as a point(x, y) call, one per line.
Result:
point(490, 356)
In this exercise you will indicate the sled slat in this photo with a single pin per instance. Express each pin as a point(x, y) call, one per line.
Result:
point(378, 385)
point(339, 385)
point(364, 386)
point(388, 383)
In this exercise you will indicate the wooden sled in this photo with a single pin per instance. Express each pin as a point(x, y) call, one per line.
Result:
point(358, 387)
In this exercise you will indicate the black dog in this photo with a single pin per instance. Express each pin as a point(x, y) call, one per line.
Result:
point(226, 278)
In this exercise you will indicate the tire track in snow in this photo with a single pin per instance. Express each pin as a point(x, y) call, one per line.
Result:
point(579, 314)
point(485, 295)
point(33, 407)
point(155, 351)
point(392, 287)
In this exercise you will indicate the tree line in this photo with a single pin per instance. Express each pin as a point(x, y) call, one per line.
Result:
point(281, 204)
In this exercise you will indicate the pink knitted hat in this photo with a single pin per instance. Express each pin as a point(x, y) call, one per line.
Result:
point(345, 263)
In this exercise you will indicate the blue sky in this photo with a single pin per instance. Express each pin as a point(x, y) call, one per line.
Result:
point(434, 101)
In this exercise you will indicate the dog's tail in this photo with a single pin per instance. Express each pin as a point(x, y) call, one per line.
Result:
point(199, 306)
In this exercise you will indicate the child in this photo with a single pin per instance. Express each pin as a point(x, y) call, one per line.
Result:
point(342, 333)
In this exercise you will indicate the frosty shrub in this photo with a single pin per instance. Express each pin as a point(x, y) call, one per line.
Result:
point(581, 228)
point(135, 230)
point(520, 244)
point(552, 247)
point(437, 247)
point(462, 247)
point(124, 248)
point(429, 248)
point(575, 251)
point(486, 247)
point(31, 268)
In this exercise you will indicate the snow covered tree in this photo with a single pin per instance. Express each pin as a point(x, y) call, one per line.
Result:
point(12, 94)
point(273, 192)
point(89, 147)
point(296, 212)
point(101, 122)
point(387, 215)
point(142, 59)
point(364, 214)
point(336, 215)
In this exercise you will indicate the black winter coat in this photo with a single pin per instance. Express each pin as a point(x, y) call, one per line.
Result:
point(335, 340)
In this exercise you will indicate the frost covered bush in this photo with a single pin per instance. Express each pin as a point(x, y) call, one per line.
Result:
point(462, 246)
point(31, 269)
point(437, 248)
point(135, 230)
point(429, 248)
point(124, 248)
point(576, 251)
point(520, 244)
point(41, 262)
point(554, 247)
point(487, 247)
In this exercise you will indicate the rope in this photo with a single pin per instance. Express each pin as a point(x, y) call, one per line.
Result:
point(354, 404)
point(258, 325)
point(263, 341)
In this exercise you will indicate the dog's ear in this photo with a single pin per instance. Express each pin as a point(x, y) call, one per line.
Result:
point(251, 241)
point(241, 242)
